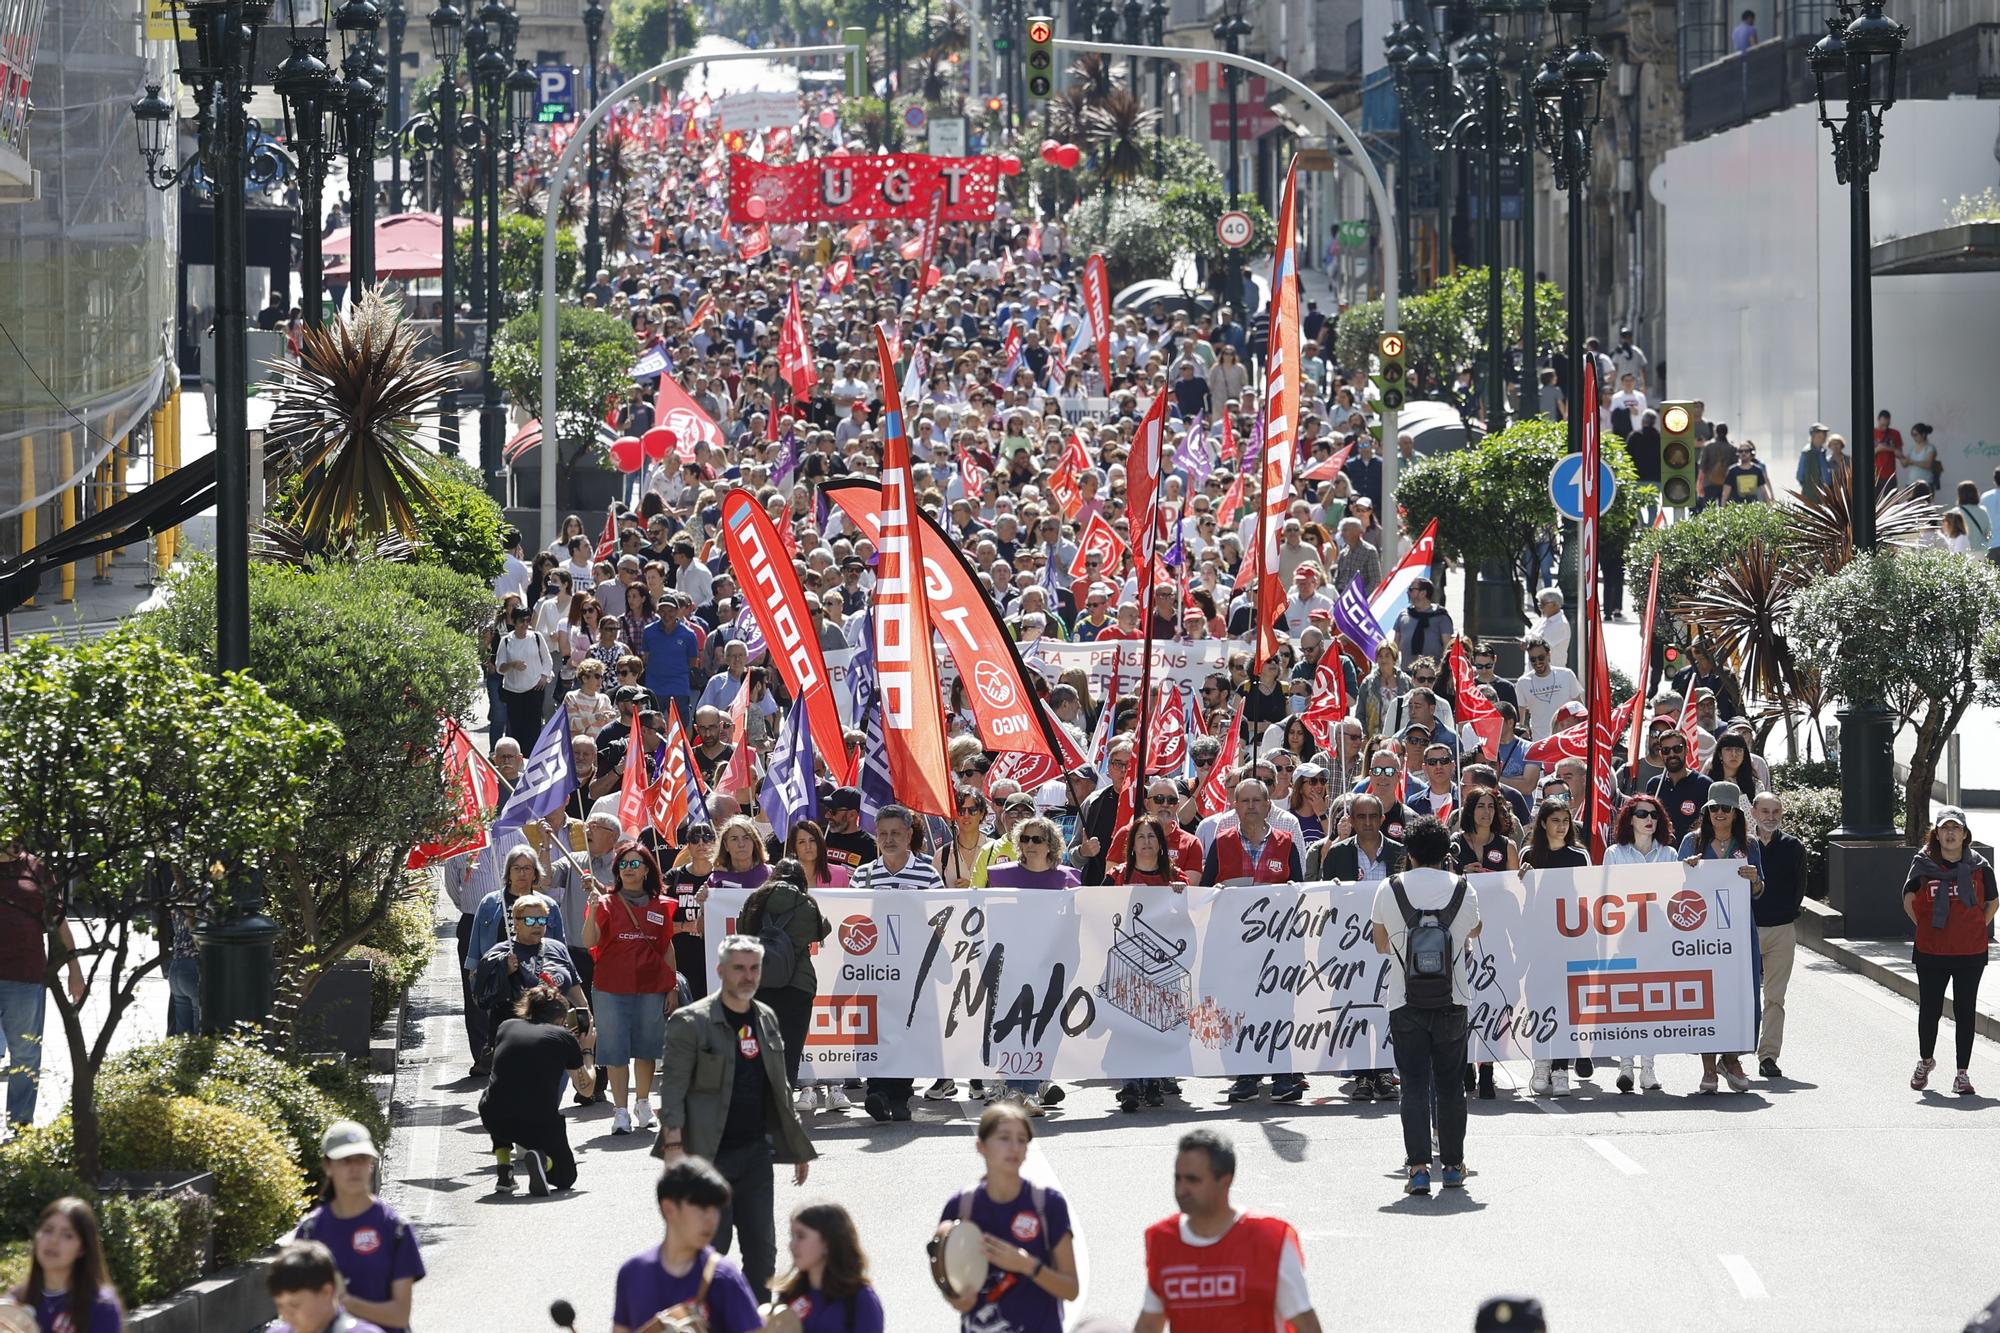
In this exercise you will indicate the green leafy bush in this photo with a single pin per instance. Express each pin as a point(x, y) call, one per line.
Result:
point(1693, 549)
point(462, 601)
point(346, 1085)
point(1446, 325)
point(1811, 816)
point(155, 1244)
point(401, 948)
point(459, 523)
point(35, 1167)
point(260, 1189)
point(521, 259)
point(594, 355)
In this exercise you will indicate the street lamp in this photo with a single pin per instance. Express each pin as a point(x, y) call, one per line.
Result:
point(1855, 63)
point(1230, 30)
point(360, 102)
point(497, 95)
point(310, 92)
point(593, 243)
point(1135, 14)
point(398, 25)
point(440, 127)
point(1156, 17)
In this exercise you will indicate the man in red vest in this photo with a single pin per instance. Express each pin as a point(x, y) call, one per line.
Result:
point(1213, 1269)
point(1253, 852)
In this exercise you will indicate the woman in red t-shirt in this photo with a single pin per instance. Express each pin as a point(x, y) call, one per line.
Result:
point(630, 935)
point(1950, 899)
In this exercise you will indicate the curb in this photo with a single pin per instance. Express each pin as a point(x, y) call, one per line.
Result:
point(235, 1300)
point(1820, 930)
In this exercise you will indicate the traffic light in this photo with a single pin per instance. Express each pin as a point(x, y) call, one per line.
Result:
point(856, 42)
point(1679, 481)
point(1041, 57)
point(1393, 381)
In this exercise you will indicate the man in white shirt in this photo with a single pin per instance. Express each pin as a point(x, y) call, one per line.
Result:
point(514, 572)
point(1306, 600)
point(1425, 994)
point(1200, 1261)
point(1550, 624)
point(1544, 688)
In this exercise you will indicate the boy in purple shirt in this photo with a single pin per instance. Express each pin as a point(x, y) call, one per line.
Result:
point(305, 1289)
point(684, 1267)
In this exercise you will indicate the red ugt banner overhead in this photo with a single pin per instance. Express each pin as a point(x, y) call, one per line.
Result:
point(849, 188)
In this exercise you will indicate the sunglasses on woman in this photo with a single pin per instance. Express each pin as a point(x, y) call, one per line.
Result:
point(1652, 815)
point(633, 863)
point(1032, 840)
point(531, 920)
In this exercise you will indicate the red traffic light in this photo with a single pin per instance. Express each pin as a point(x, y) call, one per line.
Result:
point(1039, 32)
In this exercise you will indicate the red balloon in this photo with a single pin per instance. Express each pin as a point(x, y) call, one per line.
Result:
point(756, 208)
point(1050, 149)
point(627, 454)
point(1068, 156)
point(658, 442)
point(1010, 165)
point(828, 118)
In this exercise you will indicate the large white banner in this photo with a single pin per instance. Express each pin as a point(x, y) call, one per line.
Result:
point(1127, 983)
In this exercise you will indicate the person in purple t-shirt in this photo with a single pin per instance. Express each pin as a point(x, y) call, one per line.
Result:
point(67, 1258)
point(305, 1290)
point(828, 1287)
point(684, 1266)
point(1038, 841)
point(374, 1248)
point(1029, 1244)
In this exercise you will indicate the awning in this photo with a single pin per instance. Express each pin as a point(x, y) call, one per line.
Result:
point(407, 245)
point(171, 500)
point(1971, 247)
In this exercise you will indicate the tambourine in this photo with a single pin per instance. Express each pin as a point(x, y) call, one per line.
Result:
point(18, 1318)
point(780, 1319)
point(958, 1260)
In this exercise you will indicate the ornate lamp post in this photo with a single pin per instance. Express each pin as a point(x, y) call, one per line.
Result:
point(1854, 71)
point(398, 25)
point(439, 129)
point(361, 115)
point(593, 241)
point(492, 109)
point(1156, 20)
point(310, 91)
point(1135, 15)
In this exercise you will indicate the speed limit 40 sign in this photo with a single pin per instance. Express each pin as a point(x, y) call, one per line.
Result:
point(1233, 229)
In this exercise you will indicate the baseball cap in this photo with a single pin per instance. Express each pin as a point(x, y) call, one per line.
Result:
point(346, 1138)
point(1946, 814)
point(844, 798)
point(1724, 796)
point(1816, 428)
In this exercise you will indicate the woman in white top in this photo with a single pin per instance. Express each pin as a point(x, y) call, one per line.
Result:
point(589, 708)
point(572, 526)
point(522, 659)
point(1918, 463)
point(1641, 821)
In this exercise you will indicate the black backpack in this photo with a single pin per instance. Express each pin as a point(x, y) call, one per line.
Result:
point(1428, 956)
point(780, 954)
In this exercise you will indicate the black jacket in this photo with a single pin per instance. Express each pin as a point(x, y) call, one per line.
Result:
point(1784, 881)
point(1342, 860)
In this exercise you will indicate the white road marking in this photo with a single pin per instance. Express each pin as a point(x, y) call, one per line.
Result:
point(442, 1020)
point(1611, 1153)
point(1748, 1285)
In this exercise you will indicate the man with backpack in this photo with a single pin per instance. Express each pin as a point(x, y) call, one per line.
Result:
point(1423, 919)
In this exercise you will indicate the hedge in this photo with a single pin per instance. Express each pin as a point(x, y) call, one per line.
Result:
point(260, 1189)
point(401, 948)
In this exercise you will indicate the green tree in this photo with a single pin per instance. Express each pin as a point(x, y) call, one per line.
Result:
point(594, 356)
point(134, 775)
point(1920, 626)
point(1446, 325)
point(1692, 549)
point(346, 645)
point(521, 259)
point(645, 32)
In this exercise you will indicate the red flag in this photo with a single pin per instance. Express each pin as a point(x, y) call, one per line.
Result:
point(702, 313)
point(912, 709)
point(913, 247)
point(1216, 794)
point(770, 588)
point(1329, 701)
point(1232, 502)
point(973, 475)
point(1474, 708)
point(1569, 742)
point(1097, 309)
point(1228, 454)
point(1635, 745)
point(683, 416)
point(1329, 469)
point(1002, 701)
point(856, 238)
point(1281, 410)
point(1167, 747)
point(607, 541)
point(632, 804)
point(741, 772)
point(1142, 481)
point(1062, 485)
point(474, 790)
point(838, 272)
point(1100, 537)
point(756, 243)
point(667, 798)
point(795, 363)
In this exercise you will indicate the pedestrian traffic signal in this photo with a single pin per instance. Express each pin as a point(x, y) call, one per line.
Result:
point(1393, 382)
point(1678, 477)
point(1041, 58)
point(856, 59)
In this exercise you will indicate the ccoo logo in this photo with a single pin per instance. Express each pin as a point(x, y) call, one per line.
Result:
point(858, 935)
point(1687, 910)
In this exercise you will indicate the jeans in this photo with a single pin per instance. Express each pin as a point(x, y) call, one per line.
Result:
point(183, 997)
point(749, 1211)
point(23, 1006)
point(1430, 1055)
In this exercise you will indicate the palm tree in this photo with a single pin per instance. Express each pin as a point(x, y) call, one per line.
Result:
point(569, 211)
point(525, 198)
point(345, 421)
point(1119, 127)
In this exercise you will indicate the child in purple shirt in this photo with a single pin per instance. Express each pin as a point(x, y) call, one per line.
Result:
point(828, 1288)
point(374, 1248)
point(683, 1267)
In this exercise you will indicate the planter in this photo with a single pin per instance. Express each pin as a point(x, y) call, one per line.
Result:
point(168, 1185)
point(1496, 619)
point(337, 1015)
point(1865, 885)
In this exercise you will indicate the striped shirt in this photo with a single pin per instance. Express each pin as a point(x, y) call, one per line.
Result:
point(917, 873)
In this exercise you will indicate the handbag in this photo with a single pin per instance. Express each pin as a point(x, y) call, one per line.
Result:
point(690, 1316)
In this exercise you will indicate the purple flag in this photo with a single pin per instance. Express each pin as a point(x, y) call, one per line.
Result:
point(788, 456)
point(1352, 617)
point(877, 787)
point(747, 629)
point(789, 793)
point(1192, 457)
point(547, 779)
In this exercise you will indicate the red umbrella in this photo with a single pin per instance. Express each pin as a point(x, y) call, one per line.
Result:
point(407, 245)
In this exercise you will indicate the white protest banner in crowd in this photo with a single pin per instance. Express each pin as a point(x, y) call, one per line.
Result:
point(1183, 665)
point(1144, 982)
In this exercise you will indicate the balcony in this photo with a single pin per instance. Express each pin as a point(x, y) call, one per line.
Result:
point(1964, 64)
point(1740, 88)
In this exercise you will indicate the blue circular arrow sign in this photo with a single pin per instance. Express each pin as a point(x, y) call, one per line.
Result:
point(1566, 487)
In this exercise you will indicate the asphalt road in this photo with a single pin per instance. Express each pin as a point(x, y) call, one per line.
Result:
point(1801, 1204)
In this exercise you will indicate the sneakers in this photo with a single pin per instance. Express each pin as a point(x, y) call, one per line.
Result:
point(1584, 1067)
point(1922, 1078)
point(1625, 1083)
point(1128, 1098)
point(1244, 1089)
point(1962, 1085)
point(901, 1111)
point(1387, 1089)
point(1486, 1093)
point(504, 1182)
point(1364, 1088)
point(1419, 1181)
point(1053, 1095)
point(642, 1116)
point(538, 1176)
point(806, 1099)
point(1558, 1083)
point(836, 1098)
point(1033, 1106)
point(1648, 1080)
point(621, 1121)
point(1738, 1080)
point(1453, 1178)
point(943, 1090)
point(1538, 1082)
point(877, 1106)
point(1294, 1091)
point(1155, 1094)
